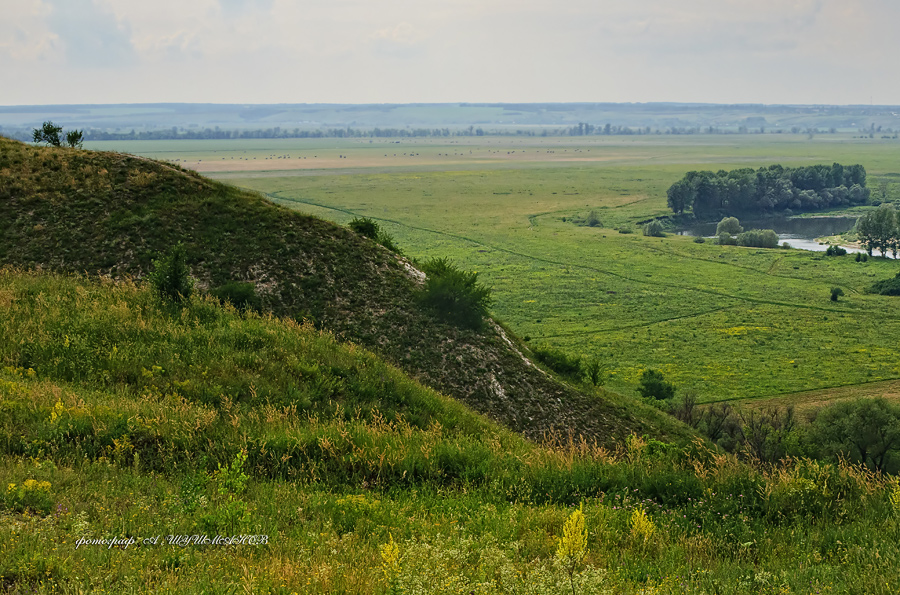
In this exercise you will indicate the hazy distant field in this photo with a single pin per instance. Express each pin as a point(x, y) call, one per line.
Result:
point(730, 322)
point(708, 151)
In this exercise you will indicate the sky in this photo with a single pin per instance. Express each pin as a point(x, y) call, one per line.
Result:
point(435, 51)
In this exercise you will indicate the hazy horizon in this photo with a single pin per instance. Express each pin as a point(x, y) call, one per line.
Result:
point(102, 52)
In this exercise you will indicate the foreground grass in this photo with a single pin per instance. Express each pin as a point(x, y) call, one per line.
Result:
point(449, 541)
point(133, 420)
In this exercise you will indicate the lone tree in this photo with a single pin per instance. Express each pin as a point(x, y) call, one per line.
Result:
point(654, 229)
point(171, 278)
point(729, 225)
point(75, 138)
point(50, 133)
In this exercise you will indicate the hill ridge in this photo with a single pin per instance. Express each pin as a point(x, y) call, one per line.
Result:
point(108, 213)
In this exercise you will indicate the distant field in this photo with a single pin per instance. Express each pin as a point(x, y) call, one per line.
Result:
point(267, 155)
point(732, 323)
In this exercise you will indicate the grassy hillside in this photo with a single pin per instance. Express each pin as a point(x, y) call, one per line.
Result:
point(123, 419)
point(105, 370)
point(109, 213)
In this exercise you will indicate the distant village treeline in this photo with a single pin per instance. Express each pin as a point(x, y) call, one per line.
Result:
point(581, 129)
point(773, 189)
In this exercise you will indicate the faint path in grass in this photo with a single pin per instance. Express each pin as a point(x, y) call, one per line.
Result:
point(638, 324)
point(768, 273)
point(721, 294)
point(809, 400)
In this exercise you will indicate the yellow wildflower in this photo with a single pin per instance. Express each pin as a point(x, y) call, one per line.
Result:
point(641, 526)
point(573, 543)
point(390, 560)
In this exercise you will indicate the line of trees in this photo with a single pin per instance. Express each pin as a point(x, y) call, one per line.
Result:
point(768, 190)
point(880, 230)
point(217, 133)
point(863, 431)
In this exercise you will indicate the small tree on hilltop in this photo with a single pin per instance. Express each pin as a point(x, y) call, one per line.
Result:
point(75, 138)
point(50, 133)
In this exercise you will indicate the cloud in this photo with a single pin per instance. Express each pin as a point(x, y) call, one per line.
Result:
point(236, 8)
point(91, 36)
point(403, 34)
point(24, 36)
point(816, 51)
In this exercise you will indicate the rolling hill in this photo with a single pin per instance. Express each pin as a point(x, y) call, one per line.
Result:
point(111, 214)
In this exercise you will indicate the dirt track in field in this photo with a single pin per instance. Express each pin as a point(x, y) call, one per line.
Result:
point(807, 401)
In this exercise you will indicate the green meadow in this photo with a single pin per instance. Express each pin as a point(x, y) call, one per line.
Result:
point(364, 481)
point(729, 322)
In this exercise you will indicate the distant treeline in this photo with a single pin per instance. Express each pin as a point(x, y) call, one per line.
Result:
point(581, 129)
point(768, 190)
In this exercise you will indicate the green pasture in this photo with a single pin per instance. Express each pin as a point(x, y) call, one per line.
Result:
point(729, 322)
point(123, 426)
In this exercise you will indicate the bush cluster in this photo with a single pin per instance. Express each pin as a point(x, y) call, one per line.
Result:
point(654, 229)
point(758, 238)
point(369, 228)
point(887, 286)
point(574, 367)
point(863, 431)
point(454, 295)
point(170, 276)
point(240, 295)
point(654, 386)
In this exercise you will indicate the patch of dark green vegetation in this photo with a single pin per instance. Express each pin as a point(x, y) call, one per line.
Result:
point(887, 286)
point(239, 294)
point(370, 229)
point(731, 233)
point(559, 361)
point(654, 386)
point(455, 295)
point(773, 189)
point(864, 431)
